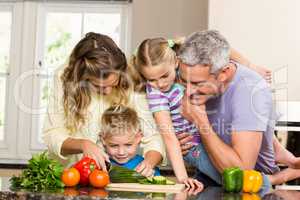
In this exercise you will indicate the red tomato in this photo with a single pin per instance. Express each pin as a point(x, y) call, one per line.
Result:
point(99, 178)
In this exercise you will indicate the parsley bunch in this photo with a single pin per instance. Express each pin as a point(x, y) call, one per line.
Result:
point(41, 174)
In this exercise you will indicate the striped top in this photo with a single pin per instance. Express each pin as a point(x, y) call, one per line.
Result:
point(171, 101)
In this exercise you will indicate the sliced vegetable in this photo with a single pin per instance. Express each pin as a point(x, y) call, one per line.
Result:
point(118, 174)
point(159, 180)
point(169, 182)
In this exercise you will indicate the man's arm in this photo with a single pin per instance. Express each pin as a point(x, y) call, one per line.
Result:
point(243, 152)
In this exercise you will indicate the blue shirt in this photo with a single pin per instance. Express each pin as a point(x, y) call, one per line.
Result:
point(133, 163)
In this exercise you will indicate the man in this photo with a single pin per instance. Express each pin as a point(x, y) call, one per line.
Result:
point(230, 104)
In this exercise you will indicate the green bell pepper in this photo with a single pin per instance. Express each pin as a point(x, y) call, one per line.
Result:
point(233, 179)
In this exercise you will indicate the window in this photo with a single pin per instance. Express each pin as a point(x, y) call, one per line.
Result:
point(60, 28)
point(36, 37)
point(5, 36)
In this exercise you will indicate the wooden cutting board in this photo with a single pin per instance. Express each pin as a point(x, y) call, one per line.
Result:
point(136, 187)
point(287, 187)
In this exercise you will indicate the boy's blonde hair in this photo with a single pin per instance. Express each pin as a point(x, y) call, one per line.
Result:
point(152, 52)
point(118, 120)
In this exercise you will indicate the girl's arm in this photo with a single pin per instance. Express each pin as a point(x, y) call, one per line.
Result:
point(238, 57)
point(164, 122)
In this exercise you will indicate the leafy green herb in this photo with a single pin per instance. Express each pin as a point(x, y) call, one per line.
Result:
point(41, 174)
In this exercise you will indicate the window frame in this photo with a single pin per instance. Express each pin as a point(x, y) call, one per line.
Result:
point(8, 151)
point(41, 72)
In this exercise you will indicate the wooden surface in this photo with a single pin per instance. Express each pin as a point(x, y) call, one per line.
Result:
point(136, 187)
point(287, 187)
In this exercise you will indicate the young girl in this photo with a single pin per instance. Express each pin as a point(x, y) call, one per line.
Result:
point(153, 68)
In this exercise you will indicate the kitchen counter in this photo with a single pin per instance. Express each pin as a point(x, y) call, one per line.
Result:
point(210, 193)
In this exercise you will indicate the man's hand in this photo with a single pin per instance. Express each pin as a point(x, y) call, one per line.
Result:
point(191, 111)
point(185, 142)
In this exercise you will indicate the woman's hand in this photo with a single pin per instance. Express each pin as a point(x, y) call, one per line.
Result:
point(145, 169)
point(92, 150)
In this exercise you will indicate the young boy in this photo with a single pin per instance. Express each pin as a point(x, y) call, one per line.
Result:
point(121, 135)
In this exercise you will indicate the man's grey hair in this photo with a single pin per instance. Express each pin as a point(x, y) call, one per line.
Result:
point(206, 48)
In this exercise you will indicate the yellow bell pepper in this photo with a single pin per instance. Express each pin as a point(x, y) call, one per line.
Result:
point(247, 196)
point(252, 182)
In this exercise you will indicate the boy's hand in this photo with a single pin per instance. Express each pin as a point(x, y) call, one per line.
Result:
point(145, 169)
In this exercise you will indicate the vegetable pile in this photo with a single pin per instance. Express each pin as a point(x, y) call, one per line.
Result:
point(85, 167)
point(41, 174)
point(45, 174)
point(236, 180)
point(88, 174)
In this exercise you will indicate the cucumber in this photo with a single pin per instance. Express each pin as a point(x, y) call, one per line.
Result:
point(150, 179)
point(159, 180)
point(118, 174)
point(145, 182)
point(169, 182)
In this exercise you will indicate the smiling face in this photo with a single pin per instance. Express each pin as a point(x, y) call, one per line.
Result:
point(161, 76)
point(200, 84)
point(122, 147)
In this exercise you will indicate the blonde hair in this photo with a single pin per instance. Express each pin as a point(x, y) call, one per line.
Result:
point(94, 57)
point(118, 120)
point(151, 52)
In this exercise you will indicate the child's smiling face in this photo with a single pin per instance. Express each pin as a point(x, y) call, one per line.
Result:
point(161, 76)
point(122, 147)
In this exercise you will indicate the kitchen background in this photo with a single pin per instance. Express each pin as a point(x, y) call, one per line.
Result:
point(36, 36)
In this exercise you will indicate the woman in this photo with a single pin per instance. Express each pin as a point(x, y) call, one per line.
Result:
point(95, 79)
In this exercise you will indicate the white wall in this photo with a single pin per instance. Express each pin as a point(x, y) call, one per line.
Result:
point(167, 18)
point(267, 32)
